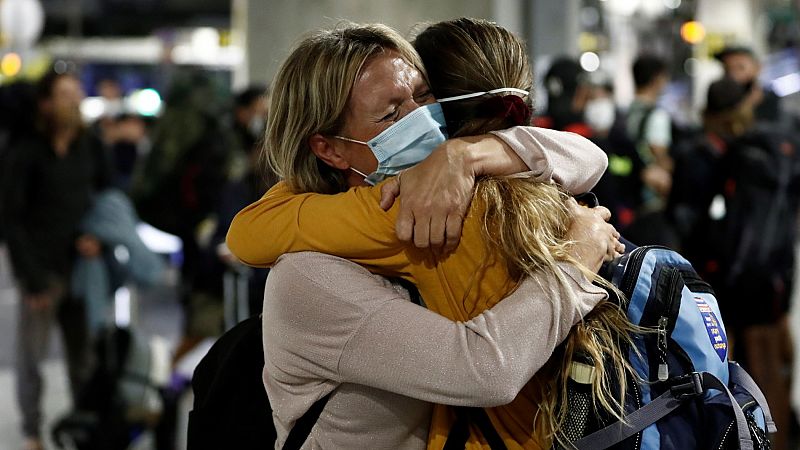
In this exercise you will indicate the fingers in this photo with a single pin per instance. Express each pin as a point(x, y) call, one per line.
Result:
point(603, 212)
point(389, 192)
point(453, 232)
point(404, 227)
point(573, 205)
point(437, 231)
point(615, 247)
point(422, 236)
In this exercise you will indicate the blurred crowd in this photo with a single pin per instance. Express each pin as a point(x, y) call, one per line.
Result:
point(724, 192)
point(73, 197)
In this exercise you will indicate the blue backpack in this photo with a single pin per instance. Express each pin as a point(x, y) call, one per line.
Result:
point(692, 396)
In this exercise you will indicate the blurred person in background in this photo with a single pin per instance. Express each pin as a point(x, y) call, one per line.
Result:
point(17, 119)
point(762, 198)
point(123, 131)
point(620, 187)
point(700, 175)
point(567, 91)
point(741, 65)
point(126, 139)
point(247, 181)
point(649, 127)
point(53, 176)
point(177, 189)
point(584, 104)
point(745, 246)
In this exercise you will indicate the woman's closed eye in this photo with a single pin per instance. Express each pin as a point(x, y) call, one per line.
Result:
point(423, 97)
point(392, 116)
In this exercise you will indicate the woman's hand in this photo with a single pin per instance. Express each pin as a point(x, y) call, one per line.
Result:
point(596, 240)
point(437, 192)
point(435, 196)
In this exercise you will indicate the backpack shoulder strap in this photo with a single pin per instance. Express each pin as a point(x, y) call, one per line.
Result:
point(659, 408)
point(742, 378)
point(633, 423)
point(302, 428)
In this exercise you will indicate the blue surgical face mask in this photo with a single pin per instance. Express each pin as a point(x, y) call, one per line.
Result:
point(406, 143)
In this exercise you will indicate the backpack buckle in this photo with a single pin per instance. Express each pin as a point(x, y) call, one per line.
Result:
point(688, 385)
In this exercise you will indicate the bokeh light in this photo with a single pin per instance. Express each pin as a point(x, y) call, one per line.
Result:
point(693, 32)
point(146, 102)
point(590, 61)
point(11, 64)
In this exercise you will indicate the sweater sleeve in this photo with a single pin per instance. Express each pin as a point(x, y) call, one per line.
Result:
point(572, 161)
point(355, 328)
point(486, 361)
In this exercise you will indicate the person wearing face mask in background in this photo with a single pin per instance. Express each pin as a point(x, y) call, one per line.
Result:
point(742, 66)
point(568, 90)
point(583, 103)
point(620, 186)
point(735, 200)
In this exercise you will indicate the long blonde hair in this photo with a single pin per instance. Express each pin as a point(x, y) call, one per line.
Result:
point(309, 96)
point(526, 221)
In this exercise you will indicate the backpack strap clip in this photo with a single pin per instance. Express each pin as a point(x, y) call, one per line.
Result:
point(688, 385)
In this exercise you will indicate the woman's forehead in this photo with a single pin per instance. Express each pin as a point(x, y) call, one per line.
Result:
point(386, 78)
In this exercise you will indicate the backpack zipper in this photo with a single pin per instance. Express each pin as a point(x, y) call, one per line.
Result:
point(725, 436)
point(673, 277)
point(631, 274)
point(638, 443)
point(663, 368)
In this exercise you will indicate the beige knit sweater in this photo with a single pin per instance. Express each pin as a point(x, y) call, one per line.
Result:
point(330, 324)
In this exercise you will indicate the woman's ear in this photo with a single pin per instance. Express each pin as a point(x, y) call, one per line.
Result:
point(329, 153)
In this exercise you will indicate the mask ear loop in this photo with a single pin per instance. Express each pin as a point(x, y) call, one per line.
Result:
point(522, 92)
point(351, 140)
point(358, 172)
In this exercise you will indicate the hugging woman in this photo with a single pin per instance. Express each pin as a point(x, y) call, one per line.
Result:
point(353, 104)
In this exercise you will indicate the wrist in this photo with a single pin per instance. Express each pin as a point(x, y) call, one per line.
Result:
point(462, 155)
point(483, 155)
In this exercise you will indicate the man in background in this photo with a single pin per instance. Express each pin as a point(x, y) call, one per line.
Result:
point(741, 65)
point(650, 128)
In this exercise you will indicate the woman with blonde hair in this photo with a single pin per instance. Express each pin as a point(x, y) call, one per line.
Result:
point(518, 229)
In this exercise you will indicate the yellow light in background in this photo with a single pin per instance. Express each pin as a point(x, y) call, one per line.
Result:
point(11, 64)
point(587, 42)
point(693, 32)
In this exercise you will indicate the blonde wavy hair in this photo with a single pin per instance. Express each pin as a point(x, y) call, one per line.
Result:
point(526, 221)
point(309, 96)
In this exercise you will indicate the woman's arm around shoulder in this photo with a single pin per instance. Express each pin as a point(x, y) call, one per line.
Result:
point(387, 342)
point(569, 159)
point(349, 224)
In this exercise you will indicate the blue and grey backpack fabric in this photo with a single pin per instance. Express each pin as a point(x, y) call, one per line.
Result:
point(689, 395)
